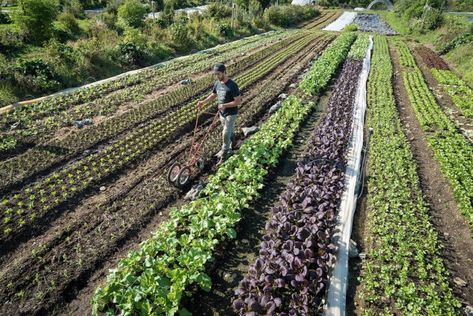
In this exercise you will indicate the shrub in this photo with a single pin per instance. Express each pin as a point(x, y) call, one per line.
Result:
point(5, 18)
point(66, 27)
point(75, 8)
point(108, 18)
point(112, 6)
point(288, 15)
point(167, 16)
point(179, 35)
point(255, 8)
point(225, 29)
point(131, 55)
point(433, 19)
point(195, 25)
point(158, 51)
point(6, 70)
point(36, 17)
point(11, 41)
point(131, 14)
point(36, 75)
point(99, 56)
point(217, 10)
point(6, 95)
point(62, 54)
point(456, 42)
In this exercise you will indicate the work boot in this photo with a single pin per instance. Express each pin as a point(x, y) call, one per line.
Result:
point(224, 157)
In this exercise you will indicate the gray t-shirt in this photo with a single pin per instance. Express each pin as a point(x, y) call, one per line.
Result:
point(226, 92)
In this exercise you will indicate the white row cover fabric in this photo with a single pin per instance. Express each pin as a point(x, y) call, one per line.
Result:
point(94, 11)
point(199, 9)
point(342, 21)
point(336, 296)
point(302, 2)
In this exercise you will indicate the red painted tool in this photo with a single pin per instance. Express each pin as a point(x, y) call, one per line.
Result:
point(179, 174)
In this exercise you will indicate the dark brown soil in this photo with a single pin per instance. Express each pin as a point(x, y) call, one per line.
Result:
point(430, 58)
point(454, 232)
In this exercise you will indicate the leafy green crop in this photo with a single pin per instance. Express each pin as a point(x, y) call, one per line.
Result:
point(405, 57)
point(453, 151)
point(154, 278)
point(358, 50)
point(321, 71)
point(459, 91)
point(403, 272)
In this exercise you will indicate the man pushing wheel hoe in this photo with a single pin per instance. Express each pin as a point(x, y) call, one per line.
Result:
point(228, 97)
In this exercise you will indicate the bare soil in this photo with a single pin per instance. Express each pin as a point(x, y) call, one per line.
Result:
point(430, 58)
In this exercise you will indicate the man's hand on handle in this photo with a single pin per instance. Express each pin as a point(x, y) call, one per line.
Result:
point(200, 104)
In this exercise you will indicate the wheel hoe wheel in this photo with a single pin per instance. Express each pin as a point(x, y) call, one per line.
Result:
point(173, 173)
point(184, 177)
point(200, 164)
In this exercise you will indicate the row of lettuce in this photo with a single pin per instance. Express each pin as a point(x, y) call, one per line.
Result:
point(459, 91)
point(291, 272)
point(451, 149)
point(153, 279)
point(403, 272)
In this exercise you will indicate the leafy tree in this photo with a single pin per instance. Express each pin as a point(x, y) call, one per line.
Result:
point(66, 27)
point(36, 17)
point(167, 17)
point(131, 13)
point(4, 18)
point(255, 8)
point(74, 7)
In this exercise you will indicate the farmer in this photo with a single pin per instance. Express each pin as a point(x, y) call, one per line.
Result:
point(228, 96)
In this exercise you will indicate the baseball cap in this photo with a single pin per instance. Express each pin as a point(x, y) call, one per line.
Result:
point(219, 67)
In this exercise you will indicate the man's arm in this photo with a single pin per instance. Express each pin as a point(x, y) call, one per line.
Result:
point(232, 104)
point(209, 98)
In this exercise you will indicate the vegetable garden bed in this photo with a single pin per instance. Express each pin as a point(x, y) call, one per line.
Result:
point(77, 202)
